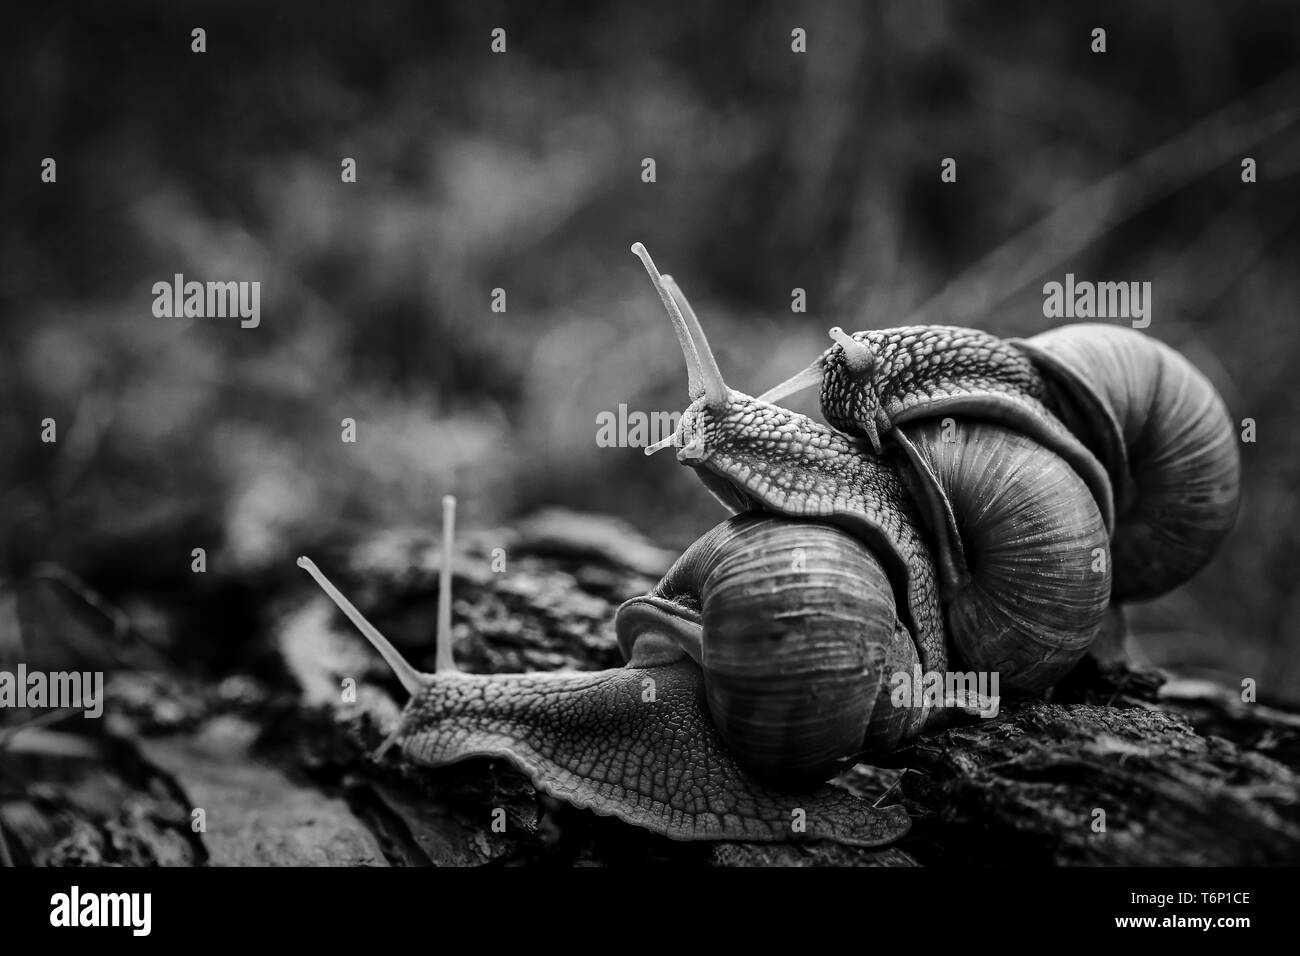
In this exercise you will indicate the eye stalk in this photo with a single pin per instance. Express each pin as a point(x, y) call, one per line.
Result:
point(810, 377)
point(852, 375)
point(410, 678)
point(704, 378)
point(688, 440)
point(856, 359)
point(859, 357)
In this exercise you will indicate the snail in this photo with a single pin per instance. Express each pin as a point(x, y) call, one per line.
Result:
point(637, 742)
point(1146, 430)
point(873, 383)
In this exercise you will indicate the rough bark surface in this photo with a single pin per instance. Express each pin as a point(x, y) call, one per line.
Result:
point(272, 766)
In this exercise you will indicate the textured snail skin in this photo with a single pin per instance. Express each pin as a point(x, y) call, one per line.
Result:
point(923, 365)
point(593, 740)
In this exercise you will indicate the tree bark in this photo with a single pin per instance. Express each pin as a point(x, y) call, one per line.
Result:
point(1118, 766)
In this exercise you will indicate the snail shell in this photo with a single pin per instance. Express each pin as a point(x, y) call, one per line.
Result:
point(795, 628)
point(1166, 439)
point(1038, 576)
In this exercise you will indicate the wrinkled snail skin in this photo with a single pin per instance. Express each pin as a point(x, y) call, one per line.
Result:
point(932, 369)
point(1166, 437)
point(596, 742)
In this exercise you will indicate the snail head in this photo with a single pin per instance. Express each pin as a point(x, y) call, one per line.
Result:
point(751, 453)
point(850, 398)
point(846, 374)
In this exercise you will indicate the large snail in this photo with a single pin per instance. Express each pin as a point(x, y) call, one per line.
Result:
point(770, 647)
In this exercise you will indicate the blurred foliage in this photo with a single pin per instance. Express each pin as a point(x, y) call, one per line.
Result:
point(522, 171)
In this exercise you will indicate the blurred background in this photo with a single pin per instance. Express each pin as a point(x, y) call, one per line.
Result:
point(522, 171)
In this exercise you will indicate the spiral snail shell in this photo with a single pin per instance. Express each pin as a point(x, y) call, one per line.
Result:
point(794, 687)
point(1166, 438)
point(1037, 576)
